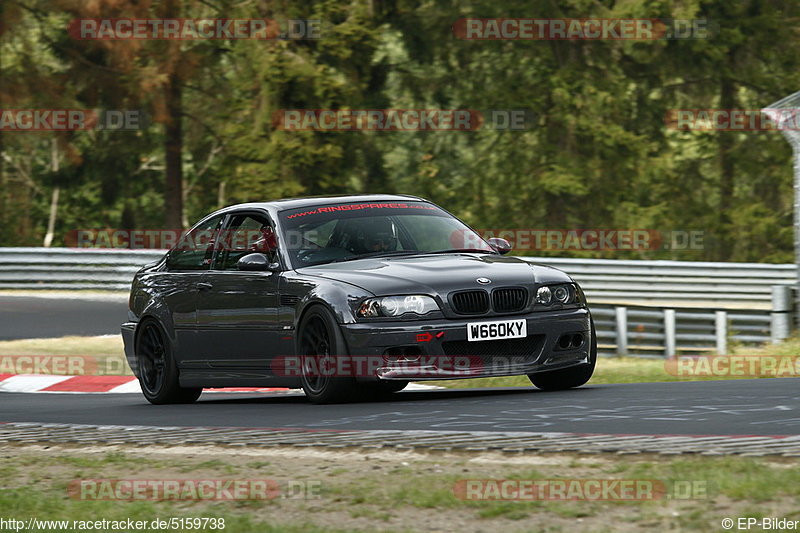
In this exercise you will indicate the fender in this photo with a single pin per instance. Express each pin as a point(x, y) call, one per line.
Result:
point(338, 296)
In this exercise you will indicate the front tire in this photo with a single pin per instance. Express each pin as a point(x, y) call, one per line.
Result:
point(157, 372)
point(567, 378)
point(320, 345)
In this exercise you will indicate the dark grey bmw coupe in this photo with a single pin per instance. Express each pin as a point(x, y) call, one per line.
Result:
point(349, 297)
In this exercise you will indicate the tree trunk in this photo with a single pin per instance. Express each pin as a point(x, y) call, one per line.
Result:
point(221, 201)
point(51, 222)
point(3, 192)
point(173, 143)
point(726, 177)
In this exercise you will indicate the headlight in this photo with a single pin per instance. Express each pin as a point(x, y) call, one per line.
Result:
point(564, 294)
point(397, 306)
point(544, 296)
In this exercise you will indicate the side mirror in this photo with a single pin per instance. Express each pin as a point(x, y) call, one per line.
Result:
point(256, 263)
point(502, 246)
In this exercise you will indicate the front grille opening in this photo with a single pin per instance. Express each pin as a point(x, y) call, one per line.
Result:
point(509, 299)
point(526, 349)
point(470, 302)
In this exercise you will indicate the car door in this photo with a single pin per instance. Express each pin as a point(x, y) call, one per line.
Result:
point(237, 313)
point(186, 264)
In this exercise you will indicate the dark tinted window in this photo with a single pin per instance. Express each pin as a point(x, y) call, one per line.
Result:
point(194, 250)
point(340, 232)
point(245, 234)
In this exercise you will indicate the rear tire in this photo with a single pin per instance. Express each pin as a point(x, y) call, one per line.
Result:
point(157, 371)
point(567, 378)
point(320, 345)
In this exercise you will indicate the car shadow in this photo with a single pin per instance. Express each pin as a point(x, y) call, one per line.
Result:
point(398, 397)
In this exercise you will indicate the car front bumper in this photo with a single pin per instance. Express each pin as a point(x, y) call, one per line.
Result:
point(439, 349)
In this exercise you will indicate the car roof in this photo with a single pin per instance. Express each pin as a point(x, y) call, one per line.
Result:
point(311, 201)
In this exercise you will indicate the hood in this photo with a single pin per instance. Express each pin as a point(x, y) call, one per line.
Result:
point(436, 274)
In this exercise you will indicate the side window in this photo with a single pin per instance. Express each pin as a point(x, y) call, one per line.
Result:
point(245, 234)
point(194, 250)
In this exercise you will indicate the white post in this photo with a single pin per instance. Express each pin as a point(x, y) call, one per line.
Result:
point(622, 330)
point(722, 332)
point(781, 316)
point(669, 332)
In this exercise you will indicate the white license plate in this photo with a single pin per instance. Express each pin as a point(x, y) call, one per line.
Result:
point(506, 329)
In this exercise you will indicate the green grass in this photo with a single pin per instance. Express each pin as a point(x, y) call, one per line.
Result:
point(735, 486)
point(104, 354)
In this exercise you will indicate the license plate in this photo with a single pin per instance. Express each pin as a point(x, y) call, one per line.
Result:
point(506, 329)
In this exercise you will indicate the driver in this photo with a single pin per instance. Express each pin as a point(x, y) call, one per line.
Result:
point(378, 235)
point(265, 240)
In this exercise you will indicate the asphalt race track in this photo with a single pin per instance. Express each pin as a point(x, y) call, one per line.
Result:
point(23, 317)
point(736, 407)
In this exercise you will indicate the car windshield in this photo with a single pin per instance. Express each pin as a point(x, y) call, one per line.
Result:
point(344, 232)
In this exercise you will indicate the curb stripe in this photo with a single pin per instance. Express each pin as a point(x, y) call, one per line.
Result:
point(30, 382)
point(88, 384)
point(128, 386)
point(94, 384)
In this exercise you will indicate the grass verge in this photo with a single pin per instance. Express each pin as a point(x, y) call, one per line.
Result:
point(398, 491)
point(104, 355)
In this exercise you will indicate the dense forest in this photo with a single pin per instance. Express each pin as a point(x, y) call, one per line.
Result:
point(596, 151)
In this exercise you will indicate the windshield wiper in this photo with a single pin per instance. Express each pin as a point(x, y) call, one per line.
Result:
point(456, 250)
point(376, 254)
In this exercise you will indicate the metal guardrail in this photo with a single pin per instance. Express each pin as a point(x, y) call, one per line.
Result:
point(643, 308)
point(653, 332)
point(65, 268)
point(677, 283)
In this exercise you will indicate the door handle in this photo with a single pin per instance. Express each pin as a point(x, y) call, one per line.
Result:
point(203, 286)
